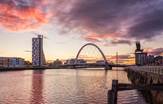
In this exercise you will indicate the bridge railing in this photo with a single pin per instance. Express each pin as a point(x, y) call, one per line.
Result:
point(150, 69)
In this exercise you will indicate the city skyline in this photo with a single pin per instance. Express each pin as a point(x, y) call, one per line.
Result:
point(70, 28)
point(81, 51)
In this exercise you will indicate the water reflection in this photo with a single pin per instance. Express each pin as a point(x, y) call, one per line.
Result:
point(90, 88)
point(37, 87)
point(63, 86)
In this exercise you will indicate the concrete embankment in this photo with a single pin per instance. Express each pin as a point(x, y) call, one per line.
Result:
point(148, 75)
point(21, 68)
point(3, 69)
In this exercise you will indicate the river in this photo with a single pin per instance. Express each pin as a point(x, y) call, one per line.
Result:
point(58, 86)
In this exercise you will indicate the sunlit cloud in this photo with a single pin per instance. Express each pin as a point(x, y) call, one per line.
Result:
point(122, 59)
point(22, 14)
point(93, 37)
point(134, 19)
point(155, 51)
point(122, 41)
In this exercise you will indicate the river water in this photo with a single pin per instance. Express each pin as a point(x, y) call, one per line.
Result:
point(58, 86)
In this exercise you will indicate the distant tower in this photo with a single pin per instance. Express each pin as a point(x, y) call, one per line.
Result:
point(138, 45)
point(38, 58)
point(140, 56)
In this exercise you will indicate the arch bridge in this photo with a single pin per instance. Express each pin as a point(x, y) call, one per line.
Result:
point(106, 65)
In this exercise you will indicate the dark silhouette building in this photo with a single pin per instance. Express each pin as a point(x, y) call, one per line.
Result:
point(140, 56)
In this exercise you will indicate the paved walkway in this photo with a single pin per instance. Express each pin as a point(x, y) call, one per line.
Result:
point(130, 97)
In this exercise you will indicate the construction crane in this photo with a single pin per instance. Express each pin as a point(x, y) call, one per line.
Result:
point(40, 34)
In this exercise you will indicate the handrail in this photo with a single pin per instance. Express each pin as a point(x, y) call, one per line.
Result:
point(150, 69)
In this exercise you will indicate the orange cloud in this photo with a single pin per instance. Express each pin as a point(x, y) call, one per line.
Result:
point(15, 18)
point(122, 59)
point(156, 51)
point(103, 38)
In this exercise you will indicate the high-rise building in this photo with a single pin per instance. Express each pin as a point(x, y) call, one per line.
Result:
point(38, 58)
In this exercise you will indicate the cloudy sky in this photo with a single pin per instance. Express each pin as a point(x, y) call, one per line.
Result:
point(114, 25)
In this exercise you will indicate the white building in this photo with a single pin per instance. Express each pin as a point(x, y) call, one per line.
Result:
point(38, 58)
point(101, 62)
point(72, 61)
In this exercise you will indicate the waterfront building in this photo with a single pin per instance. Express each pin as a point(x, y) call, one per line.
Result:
point(57, 63)
point(158, 60)
point(150, 59)
point(38, 58)
point(140, 56)
point(16, 62)
point(101, 62)
point(12, 62)
point(72, 61)
point(4, 62)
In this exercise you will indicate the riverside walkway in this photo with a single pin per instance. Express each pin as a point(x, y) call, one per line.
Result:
point(149, 69)
point(130, 97)
point(145, 79)
point(125, 94)
point(146, 74)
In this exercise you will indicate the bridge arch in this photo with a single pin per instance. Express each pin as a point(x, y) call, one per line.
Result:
point(91, 44)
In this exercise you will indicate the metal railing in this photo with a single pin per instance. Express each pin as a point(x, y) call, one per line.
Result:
point(150, 69)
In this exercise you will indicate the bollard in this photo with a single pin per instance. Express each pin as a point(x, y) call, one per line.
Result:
point(110, 97)
point(112, 94)
point(115, 90)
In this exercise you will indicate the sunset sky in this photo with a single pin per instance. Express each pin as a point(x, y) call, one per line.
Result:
point(114, 25)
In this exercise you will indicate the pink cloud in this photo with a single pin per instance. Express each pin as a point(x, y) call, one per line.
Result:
point(18, 16)
point(156, 51)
